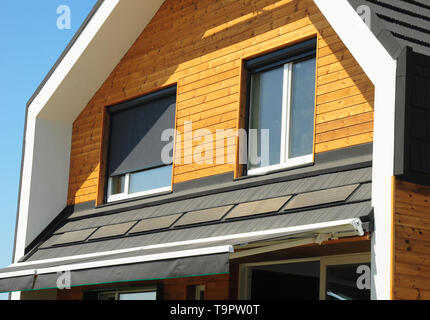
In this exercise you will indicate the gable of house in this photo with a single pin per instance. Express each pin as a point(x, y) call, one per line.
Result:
point(200, 46)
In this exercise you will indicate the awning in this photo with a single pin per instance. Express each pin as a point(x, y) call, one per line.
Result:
point(204, 256)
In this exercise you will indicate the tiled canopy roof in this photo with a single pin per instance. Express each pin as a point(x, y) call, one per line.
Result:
point(313, 199)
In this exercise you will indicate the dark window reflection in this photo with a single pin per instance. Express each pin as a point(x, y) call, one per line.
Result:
point(293, 281)
point(342, 283)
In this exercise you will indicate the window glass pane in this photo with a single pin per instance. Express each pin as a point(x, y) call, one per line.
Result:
point(266, 113)
point(302, 109)
point(151, 179)
point(150, 295)
point(342, 283)
point(291, 281)
point(117, 185)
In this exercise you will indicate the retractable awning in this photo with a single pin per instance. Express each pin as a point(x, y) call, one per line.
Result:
point(204, 256)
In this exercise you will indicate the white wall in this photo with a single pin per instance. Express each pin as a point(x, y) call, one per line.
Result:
point(50, 174)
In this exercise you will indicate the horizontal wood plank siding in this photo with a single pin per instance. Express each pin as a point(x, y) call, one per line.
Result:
point(411, 268)
point(199, 45)
point(217, 287)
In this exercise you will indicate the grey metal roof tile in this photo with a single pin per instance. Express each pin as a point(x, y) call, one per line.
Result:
point(257, 207)
point(50, 241)
point(154, 223)
point(344, 211)
point(83, 224)
point(320, 197)
point(364, 192)
point(174, 209)
point(206, 215)
point(74, 236)
point(112, 230)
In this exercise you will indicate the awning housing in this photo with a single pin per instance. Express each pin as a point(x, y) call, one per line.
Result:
point(198, 257)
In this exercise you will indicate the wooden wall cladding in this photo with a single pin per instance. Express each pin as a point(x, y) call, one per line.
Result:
point(200, 45)
point(216, 288)
point(411, 254)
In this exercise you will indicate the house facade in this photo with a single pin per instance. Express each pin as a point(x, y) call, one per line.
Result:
point(230, 150)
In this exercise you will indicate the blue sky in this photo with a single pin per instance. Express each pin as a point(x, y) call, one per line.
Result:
point(30, 45)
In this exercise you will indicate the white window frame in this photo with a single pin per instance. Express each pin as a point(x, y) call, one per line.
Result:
point(245, 270)
point(285, 161)
point(127, 195)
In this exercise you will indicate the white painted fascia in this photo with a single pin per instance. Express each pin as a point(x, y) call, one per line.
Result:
point(380, 67)
point(108, 35)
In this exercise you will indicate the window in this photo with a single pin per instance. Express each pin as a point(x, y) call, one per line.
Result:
point(140, 294)
point(282, 101)
point(196, 292)
point(135, 164)
point(342, 277)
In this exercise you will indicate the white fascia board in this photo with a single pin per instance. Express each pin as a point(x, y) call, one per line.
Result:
point(109, 34)
point(346, 227)
point(380, 67)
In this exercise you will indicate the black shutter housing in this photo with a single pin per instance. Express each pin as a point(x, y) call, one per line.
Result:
point(135, 132)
